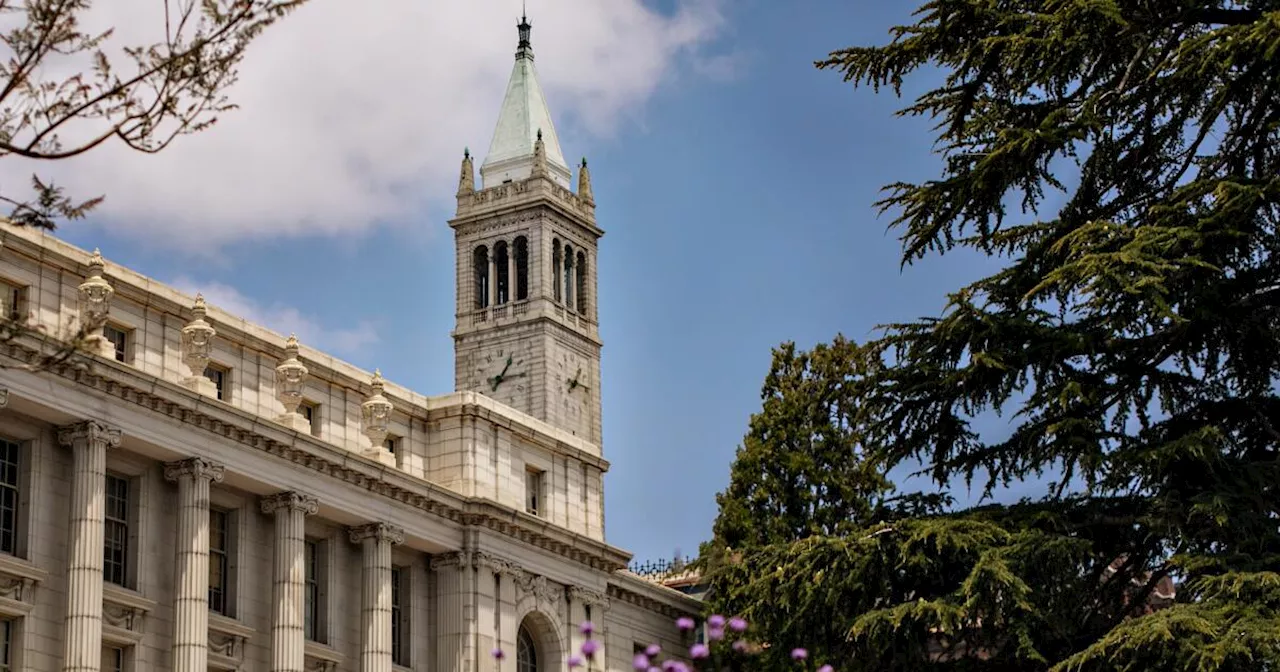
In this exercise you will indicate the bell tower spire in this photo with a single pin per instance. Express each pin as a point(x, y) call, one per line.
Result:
point(527, 330)
point(524, 113)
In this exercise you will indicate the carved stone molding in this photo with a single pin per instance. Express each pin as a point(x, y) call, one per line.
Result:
point(500, 566)
point(195, 467)
point(124, 610)
point(89, 431)
point(588, 597)
point(379, 531)
point(17, 588)
point(539, 587)
point(307, 504)
point(228, 639)
point(4, 397)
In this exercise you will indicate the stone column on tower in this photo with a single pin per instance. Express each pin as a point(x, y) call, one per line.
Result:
point(82, 637)
point(288, 637)
point(375, 540)
point(191, 592)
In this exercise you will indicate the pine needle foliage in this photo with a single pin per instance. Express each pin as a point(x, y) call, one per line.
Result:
point(1121, 158)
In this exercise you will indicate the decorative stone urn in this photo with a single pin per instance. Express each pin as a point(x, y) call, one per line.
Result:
point(197, 347)
point(95, 305)
point(375, 415)
point(291, 375)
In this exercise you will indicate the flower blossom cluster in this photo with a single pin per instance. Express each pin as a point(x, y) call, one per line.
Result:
point(717, 627)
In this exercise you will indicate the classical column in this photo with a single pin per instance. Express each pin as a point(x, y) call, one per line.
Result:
point(82, 637)
point(511, 272)
point(455, 644)
point(375, 540)
point(493, 276)
point(191, 589)
point(288, 638)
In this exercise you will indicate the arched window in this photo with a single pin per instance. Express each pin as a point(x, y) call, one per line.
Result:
point(522, 268)
point(555, 268)
point(526, 652)
point(582, 282)
point(568, 277)
point(480, 260)
point(500, 259)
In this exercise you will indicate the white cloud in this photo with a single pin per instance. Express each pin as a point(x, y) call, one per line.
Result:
point(357, 111)
point(284, 319)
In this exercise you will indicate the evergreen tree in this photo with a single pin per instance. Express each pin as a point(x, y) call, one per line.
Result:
point(1133, 337)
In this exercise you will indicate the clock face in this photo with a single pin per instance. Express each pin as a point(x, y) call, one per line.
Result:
point(573, 378)
point(502, 373)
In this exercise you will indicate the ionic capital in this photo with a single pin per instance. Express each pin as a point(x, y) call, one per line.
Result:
point(87, 433)
point(456, 559)
point(377, 532)
point(194, 467)
point(295, 501)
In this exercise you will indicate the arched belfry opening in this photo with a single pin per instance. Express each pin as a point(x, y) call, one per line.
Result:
point(480, 265)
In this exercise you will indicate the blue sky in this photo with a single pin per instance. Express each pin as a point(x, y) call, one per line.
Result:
point(736, 196)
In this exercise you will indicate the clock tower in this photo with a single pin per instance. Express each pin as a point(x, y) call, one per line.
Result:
point(526, 332)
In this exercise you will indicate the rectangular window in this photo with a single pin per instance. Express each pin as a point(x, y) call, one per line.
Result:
point(390, 444)
point(219, 377)
point(533, 491)
point(6, 645)
point(119, 339)
point(116, 537)
point(219, 561)
point(13, 301)
point(311, 412)
point(113, 658)
point(10, 495)
point(311, 603)
point(399, 619)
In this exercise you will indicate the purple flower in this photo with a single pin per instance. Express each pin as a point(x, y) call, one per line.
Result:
point(715, 634)
point(799, 654)
point(826, 668)
point(498, 654)
point(699, 651)
point(738, 624)
point(715, 621)
point(652, 650)
point(587, 628)
point(573, 661)
point(640, 662)
point(679, 667)
point(590, 647)
point(684, 623)
point(740, 646)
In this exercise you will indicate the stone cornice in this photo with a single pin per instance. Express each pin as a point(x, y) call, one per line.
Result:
point(173, 401)
point(651, 596)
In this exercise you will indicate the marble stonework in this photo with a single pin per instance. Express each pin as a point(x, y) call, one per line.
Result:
point(197, 492)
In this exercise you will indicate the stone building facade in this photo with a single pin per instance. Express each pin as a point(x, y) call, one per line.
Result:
point(194, 492)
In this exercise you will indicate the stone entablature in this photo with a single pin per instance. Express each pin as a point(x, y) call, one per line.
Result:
point(169, 332)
